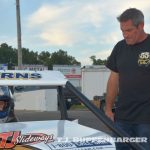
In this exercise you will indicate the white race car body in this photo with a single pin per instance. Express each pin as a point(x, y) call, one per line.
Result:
point(47, 135)
point(53, 135)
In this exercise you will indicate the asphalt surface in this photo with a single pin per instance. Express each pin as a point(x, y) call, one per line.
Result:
point(84, 117)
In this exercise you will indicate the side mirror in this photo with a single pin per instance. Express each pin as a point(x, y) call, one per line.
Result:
point(19, 88)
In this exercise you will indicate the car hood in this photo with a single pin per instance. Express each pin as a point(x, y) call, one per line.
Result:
point(53, 135)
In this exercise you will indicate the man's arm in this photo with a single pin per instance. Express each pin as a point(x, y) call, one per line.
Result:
point(112, 91)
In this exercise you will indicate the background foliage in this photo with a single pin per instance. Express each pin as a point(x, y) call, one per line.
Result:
point(8, 55)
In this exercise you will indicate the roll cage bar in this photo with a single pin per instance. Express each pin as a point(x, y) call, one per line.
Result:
point(98, 113)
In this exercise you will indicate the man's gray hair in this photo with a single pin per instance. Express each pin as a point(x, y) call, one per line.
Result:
point(133, 14)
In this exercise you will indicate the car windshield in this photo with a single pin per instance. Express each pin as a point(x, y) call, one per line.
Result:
point(4, 91)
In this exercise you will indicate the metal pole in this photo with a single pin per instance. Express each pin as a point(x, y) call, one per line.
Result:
point(19, 34)
point(62, 106)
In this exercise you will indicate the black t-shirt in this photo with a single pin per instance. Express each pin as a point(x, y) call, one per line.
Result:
point(132, 62)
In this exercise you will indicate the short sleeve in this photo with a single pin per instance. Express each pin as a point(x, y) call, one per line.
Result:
point(112, 60)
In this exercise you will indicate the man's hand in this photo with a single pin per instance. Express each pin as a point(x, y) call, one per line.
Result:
point(110, 115)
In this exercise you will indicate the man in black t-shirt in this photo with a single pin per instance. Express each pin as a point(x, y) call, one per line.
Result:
point(129, 63)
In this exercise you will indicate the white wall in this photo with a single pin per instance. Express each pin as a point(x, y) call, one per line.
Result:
point(41, 100)
point(75, 82)
point(94, 81)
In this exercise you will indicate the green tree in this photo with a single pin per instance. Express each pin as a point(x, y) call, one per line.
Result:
point(8, 55)
point(97, 61)
point(62, 58)
point(29, 57)
point(93, 58)
point(44, 57)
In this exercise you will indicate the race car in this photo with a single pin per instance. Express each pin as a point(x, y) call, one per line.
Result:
point(6, 105)
point(60, 134)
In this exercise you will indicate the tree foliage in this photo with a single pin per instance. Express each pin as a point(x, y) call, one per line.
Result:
point(8, 55)
point(97, 61)
point(29, 57)
point(61, 57)
point(44, 57)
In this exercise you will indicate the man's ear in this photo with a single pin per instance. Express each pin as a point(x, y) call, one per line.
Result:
point(141, 26)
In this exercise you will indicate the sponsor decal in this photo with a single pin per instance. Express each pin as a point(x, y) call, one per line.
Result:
point(144, 59)
point(11, 139)
point(73, 76)
point(20, 76)
point(80, 144)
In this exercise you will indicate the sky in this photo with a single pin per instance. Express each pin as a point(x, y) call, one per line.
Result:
point(81, 27)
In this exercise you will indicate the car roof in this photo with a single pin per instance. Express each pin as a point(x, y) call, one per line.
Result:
point(29, 78)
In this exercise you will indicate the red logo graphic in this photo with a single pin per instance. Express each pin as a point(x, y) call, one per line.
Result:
point(8, 139)
point(11, 139)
